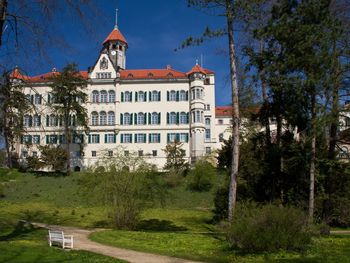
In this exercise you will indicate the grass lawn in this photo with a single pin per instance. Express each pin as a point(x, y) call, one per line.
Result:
point(181, 228)
point(28, 245)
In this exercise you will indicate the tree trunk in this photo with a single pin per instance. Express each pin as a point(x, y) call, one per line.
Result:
point(3, 6)
point(265, 101)
point(8, 150)
point(67, 135)
point(312, 160)
point(235, 114)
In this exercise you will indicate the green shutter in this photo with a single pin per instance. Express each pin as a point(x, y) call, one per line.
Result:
point(98, 138)
point(145, 96)
point(130, 96)
point(131, 118)
point(177, 95)
point(47, 139)
point(177, 118)
point(136, 98)
point(47, 120)
point(56, 120)
point(177, 137)
point(122, 138)
point(149, 137)
point(149, 96)
point(167, 95)
point(122, 96)
point(89, 138)
point(32, 99)
point(48, 98)
point(186, 95)
point(121, 118)
point(105, 138)
point(135, 137)
point(135, 118)
point(188, 117)
point(115, 138)
point(159, 95)
point(159, 116)
point(158, 137)
point(149, 118)
point(186, 137)
point(167, 118)
point(39, 120)
point(130, 138)
point(74, 122)
point(168, 138)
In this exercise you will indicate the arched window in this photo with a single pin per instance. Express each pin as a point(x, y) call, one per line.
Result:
point(127, 119)
point(103, 118)
point(27, 121)
point(183, 118)
point(103, 96)
point(37, 120)
point(111, 96)
point(155, 118)
point(53, 120)
point(111, 118)
point(140, 118)
point(182, 96)
point(127, 96)
point(37, 99)
point(155, 96)
point(95, 96)
point(94, 118)
point(207, 121)
point(172, 118)
point(141, 96)
point(172, 96)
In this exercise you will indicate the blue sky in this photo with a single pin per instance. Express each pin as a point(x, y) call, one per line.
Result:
point(153, 28)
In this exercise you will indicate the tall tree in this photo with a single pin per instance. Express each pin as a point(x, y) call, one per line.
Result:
point(225, 8)
point(13, 106)
point(68, 92)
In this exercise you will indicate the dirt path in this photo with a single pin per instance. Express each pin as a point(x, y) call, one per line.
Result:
point(82, 242)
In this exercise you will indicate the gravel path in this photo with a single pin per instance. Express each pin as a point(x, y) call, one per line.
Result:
point(82, 242)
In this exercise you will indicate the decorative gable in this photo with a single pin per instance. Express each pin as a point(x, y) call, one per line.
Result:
point(103, 69)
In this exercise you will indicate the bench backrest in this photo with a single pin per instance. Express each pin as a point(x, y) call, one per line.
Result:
point(55, 234)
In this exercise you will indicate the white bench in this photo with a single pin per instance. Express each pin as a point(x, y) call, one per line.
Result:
point(58, 237)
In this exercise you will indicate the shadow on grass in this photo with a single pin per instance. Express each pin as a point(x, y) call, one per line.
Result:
point(48, 174)
point(159, 225)
point(20, 229)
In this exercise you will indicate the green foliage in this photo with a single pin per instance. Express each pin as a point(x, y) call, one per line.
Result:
point(51, 156)
point(201, 177)
point(13, 106)
point(269, 229)
point(173, 178)
point(126, 194)
point(175, 156)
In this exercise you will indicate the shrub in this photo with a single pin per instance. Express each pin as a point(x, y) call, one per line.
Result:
point(201, 178)
point(173, 178)
point(269, 229)
point(125, 194)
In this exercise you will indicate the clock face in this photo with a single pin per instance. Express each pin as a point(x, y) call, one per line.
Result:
point(113, 53)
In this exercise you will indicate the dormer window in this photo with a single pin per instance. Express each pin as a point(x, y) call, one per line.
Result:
point(170, 75)
point(130, 75)
point(150, 75)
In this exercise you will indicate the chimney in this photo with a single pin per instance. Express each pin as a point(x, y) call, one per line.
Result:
point(168, 67)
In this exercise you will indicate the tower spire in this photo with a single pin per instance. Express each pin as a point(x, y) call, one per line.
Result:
point(116, 19)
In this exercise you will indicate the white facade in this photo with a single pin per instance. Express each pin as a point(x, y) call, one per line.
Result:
point(141, 110)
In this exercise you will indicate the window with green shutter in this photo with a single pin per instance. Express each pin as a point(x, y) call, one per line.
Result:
point(122, 96)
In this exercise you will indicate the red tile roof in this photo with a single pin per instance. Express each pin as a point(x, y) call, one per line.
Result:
point(226, 111)
point(223, 111)
point(167, 73)
point(115, 35)
point(40, 78)
point(199, 69)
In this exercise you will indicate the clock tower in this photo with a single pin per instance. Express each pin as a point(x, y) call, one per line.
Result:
point(115, 45)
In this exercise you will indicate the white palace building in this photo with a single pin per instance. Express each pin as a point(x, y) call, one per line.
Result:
point(140, 109)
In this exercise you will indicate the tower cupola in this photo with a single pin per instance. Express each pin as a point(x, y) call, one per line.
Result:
point(115, 45)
